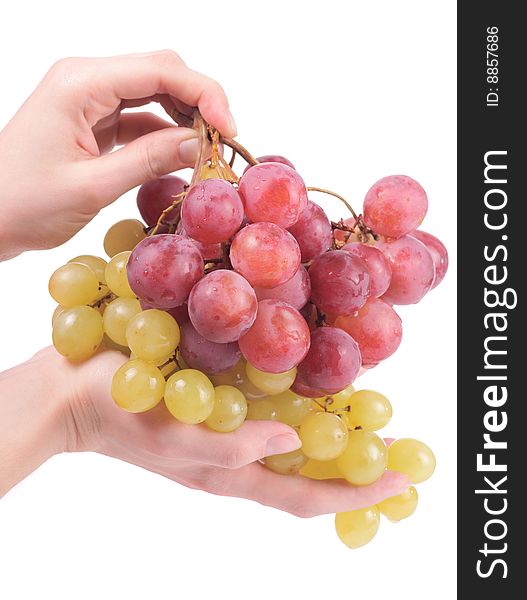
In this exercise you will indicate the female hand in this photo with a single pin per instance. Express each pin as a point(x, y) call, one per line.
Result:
point(56, 172)
point(192, 455)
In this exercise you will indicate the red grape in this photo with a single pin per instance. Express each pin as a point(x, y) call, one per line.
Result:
point(278, 339)
point(207, 250)
point(274, 193)
point(312, 231)
point(413, 270)
point(340, 282)
point(156, 195)
point(265, 254)
point(332, 363)
point(212, 211)
point(437, 250)
point(271, 158)
point(204, 355)
point(376, 328)
point(295, 292)
point(180, 313)
point(340, 235)
point(378, 266)
point(162, 269)
point(222, 306)
point(395, 205)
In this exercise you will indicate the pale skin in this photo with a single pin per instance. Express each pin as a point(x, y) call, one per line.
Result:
point(49, 405)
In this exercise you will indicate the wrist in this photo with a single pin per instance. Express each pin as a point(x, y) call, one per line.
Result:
point(33, 416)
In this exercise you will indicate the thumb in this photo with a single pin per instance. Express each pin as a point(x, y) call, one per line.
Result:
point(145, 158)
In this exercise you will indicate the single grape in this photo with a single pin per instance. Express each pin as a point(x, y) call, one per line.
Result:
point(206, 356)
point(180, 313)
point(321, 469)
point(324, 436)
point(312, 231)
point(237, 377)
point(77, 332)
point(286, 464)
point(341, 236)
point(98, 266)
point(278, 340)
point(413, 270)
point(189, 396)
point(274, 193)
point(357, 528)
point(376, 328)
point(164, 268)
point(412, 457)
point(156, 195)
point(222, 306)
point(230, 409)
point(270, 383)
point(58, 310)
point(123, 236)
point(73, 284)
point(438, 252)
point(364, 459)
point(332, 363)
point(262, 410)
point(340, 282)
point(401, 506)
point(292, 408)
point(395, 205)
point(295, 292)
point(369, 410)
point(116, 317)
point(137, 386)
point(212, 211)
point(276, 158)
point(378, 266)
point(265, 254)
point(152, 335)
point(116, 275)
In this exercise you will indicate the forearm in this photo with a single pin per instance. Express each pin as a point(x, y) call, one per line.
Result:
point(32, 417)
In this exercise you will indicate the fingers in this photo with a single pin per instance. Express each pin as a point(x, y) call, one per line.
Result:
point(147, 157)
point(134, 125)
point(109, 80)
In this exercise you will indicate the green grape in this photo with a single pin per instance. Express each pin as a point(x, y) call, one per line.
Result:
point(369, 410)
point(109, 344)
point(230, 409)
point(341, 399)
point(292, 408)
point(286, 464)
point(321, 469)
point(356, 528)
point(123, 236)
point(158, 362)
point(152, 335)
point(137, 386)
point(77, 332)
point(270, 383)
point(189, 396)
point(98, 266)
point(364, 459)
point(74, 284)
point(116, 316)
point(262, 410)
point(412, 457)
point(324, 436)
point(116, 276)
point(237, 377)
point(400, 506)
point(58, 310)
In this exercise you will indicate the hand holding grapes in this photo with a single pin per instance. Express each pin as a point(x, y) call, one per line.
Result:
point(56, 172)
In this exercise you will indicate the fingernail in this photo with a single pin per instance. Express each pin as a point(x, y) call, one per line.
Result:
point(232, 125)
point(280, 444)
point(188, 150)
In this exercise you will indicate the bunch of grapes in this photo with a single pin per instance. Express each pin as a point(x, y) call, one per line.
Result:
point(237, 298)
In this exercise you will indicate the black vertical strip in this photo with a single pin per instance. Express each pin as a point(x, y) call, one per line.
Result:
point(492, 326)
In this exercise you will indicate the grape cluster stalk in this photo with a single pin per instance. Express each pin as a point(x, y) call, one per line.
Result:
point(236, 298)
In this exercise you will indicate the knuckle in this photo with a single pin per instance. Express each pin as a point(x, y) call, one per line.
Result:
point(167, 56)
point(233, 458)
point(152, 161)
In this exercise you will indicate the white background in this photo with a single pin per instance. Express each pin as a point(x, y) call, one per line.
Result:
point(350, 92)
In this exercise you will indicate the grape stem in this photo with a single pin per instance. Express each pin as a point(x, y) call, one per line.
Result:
point(178, 199)
point(343, 200)
point(104, 300)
